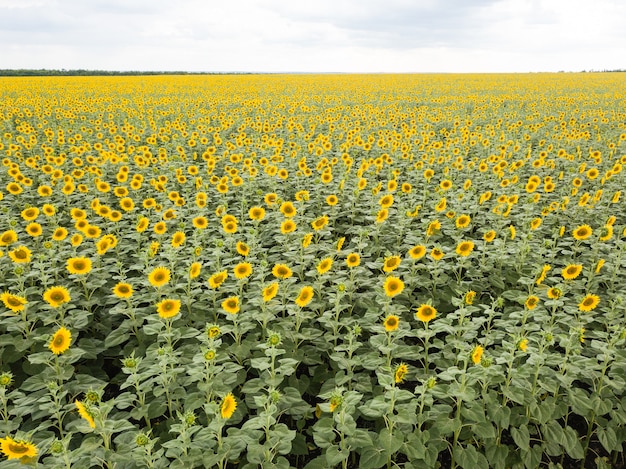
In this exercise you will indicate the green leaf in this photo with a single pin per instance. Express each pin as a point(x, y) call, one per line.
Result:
point(532, 458)
point(372, 458)
point(469, 458)
point(521, 437)
point(579, 401)
point(390, 442)
point(496, 455)
point(608, 438)
point(484, 430)
point(334, 455)
point(572, 444)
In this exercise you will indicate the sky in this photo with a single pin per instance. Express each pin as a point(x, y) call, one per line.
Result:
point(344, 36)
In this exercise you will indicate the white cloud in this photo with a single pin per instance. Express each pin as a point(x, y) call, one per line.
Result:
point(321, 36)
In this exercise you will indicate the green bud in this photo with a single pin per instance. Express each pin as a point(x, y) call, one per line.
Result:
point(275, 395)
point(432, 381)
point(57, 447)
point(18, 271)
point(6, 379)
point(341, 287)
point(274, 339)
point(142, 439)
point(130, 362)
point(92, 397)
point(189, 418)
point(356, 330)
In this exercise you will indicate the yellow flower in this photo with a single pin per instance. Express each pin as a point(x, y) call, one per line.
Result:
point(463, 221)
point(29, 214)
point(270, 292)
point(256, 213)
point(417, 252)
point(589, 302)
point(168, 308)
point(477, 354)
point(17, 449)
point(14, 302)
point(243, 249)
point(400, 373)
point(56, 296)
point(582, 232)
point(228, 407)
point(242, 270)
point(324, 265)
point(391, 323)
point(512, 230)
point(7, 238)
point(194, 270)
point(436, 254)
point(287, 226)
point(426, 313)
point(79, 265)
point(599, 265)
point(531, 302)
point(542, 275)
point(319, 222)
point(123, 290)
point(60, 341)
point(85, 413)
point(178, 239)
point(200, 223)
point(465, 248)
point(353, 260)
point(469, 297)
point(288, 209)
point(433, 227)
point(489, 236)
point(159, 277)
point(281, 271)
point(393, 286)
point(571, 271)
point(217, 279)
point(59, 234)
point(306, 240)
point(305, 296)
point(523, 345)
point(231, 305)
point(20, 255)
point(391, 263)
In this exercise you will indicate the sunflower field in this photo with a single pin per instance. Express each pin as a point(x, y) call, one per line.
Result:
point(313, 271)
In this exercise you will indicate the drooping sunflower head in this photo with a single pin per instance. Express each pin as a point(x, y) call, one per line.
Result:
point(228, 407)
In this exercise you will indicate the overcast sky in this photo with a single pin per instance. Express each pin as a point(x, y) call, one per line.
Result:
point(314, 35)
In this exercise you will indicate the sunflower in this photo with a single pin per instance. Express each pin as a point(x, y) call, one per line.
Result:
point(288, 226)
point(391, 263)
point(85, 412)
point(160, 228)
point(319, 222)
point(178, 239)
point(76, 239)
point(426, 313)
point(60, 341)
point(391, 323)
point(535, 223)
point(159, 277)
point(332, 200)
point(79, 265)
point(386, 201)
point(200, 223)
point(231, 305)
point(216, 280)
point(228, 407)
point(571, 271)
point(305, 296)
point(582, 232)
point(393, 286)
point(168, 308)
point(14, 302)
point(523, 345)
point(433, 227)
point(400, 373)
point(489, 236)
point(531, 302)
point(554, 293)
point(463, 221)
point(477, 354)
point(288, 209)
point(542, 275)
point(29, 214)
point(306, 240)
point(56, 296)
point(281, 271)
point(417, 252)
point(256, 213)
point(242, 270)
point(123, 290)
point(142, 225)
point(194, 270)
point(436, 254)
point(589, 302)
point(324, 265)
point(270, 292)
point(382, 215)
point(59, 234)
point(242, 248)
point(34, 229)
point(465, 248)
point(230, 227)
point(469, 297)
point(353, 260)
point(8, 237)
point(17, 449)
